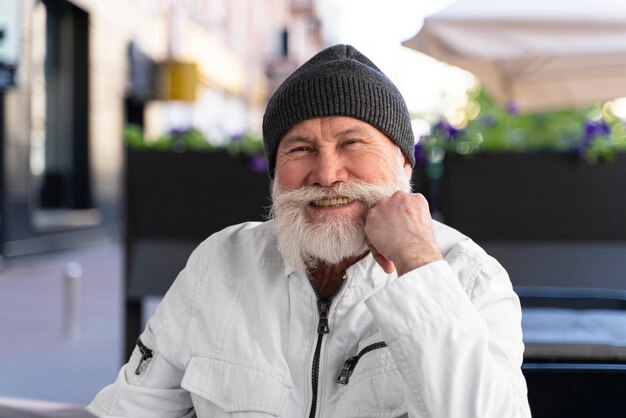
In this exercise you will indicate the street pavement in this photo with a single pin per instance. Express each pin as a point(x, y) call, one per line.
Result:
point(39, 357)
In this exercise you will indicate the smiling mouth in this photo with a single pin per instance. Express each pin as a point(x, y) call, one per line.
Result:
point(327, 203)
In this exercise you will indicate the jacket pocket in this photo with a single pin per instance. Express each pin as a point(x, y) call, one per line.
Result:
point(375, 388)
point(222, 386)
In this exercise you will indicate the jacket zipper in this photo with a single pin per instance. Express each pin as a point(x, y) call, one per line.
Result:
point(323, 307)
point(350, 364)
point(146, 355)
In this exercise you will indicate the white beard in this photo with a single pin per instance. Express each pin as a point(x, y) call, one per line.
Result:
point(329, 240)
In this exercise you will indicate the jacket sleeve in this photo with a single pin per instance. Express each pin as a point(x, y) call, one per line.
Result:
point(454, 331)
point(149, 386)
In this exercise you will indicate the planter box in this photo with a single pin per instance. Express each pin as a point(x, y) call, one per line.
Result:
point(534, 196)
point(176, 200)
point(191, 195)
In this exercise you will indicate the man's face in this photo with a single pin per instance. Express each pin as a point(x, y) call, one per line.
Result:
point(326, 151)
point(329, 171)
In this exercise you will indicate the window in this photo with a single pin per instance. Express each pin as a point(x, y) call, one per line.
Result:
point(60, 110)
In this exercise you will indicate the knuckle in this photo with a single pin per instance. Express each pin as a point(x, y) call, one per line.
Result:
point(419, 196)
point(420, 199)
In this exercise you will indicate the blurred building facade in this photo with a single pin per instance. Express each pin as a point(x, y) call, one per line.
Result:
point(74, 73)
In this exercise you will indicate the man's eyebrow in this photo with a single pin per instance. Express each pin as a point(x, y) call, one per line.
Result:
point(288, 140)
point(292, 139)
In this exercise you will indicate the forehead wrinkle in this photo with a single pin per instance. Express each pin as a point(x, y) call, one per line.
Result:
point(350, 125)
point(353, 130)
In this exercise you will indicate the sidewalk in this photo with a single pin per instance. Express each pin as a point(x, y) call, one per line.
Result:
point(37, 359)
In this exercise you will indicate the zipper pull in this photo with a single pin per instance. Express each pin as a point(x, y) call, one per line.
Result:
point(346, 370)
point(146, 354)
point(350, 364)
point(323, 327)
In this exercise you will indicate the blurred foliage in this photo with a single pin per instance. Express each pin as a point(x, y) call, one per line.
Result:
point(192, 139)
point(246, 144)
point(593, 133)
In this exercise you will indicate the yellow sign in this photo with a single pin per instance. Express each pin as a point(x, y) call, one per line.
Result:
point(178, 80)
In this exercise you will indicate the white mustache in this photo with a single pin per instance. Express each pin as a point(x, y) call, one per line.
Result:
point(367, 193)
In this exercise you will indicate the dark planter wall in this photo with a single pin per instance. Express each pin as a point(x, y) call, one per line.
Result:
point(535, 196)
point(176, 200)
point(191, 195)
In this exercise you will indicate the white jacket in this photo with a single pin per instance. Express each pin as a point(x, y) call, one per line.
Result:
point(239, 334)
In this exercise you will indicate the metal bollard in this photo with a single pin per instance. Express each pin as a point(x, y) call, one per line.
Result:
point(73, 277)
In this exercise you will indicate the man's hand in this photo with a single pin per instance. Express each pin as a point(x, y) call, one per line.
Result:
point(399, 231)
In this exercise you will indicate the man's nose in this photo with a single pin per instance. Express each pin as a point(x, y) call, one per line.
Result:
point(328, 170)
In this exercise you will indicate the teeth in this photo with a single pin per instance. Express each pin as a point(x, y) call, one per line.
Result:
point(338, 201)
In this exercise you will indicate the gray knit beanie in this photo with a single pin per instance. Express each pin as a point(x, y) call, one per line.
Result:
point(337, 81)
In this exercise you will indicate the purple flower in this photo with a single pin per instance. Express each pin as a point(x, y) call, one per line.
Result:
point(257, 163)
point(488, 121)
point(592, 130)
point(237, 137)
point(512, 107)
point(604, 128)
point(420, 155)
point(449, 131)
point(176, 132)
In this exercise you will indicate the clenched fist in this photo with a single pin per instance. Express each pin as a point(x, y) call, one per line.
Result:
point(399, 231)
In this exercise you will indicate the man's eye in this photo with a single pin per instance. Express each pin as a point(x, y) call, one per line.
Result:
point(351, 142)
point(299, 150)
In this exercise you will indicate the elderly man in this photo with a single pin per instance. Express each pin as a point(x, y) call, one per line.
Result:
point(350, 302)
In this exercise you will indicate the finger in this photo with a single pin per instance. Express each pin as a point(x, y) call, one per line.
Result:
point(386, 264)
